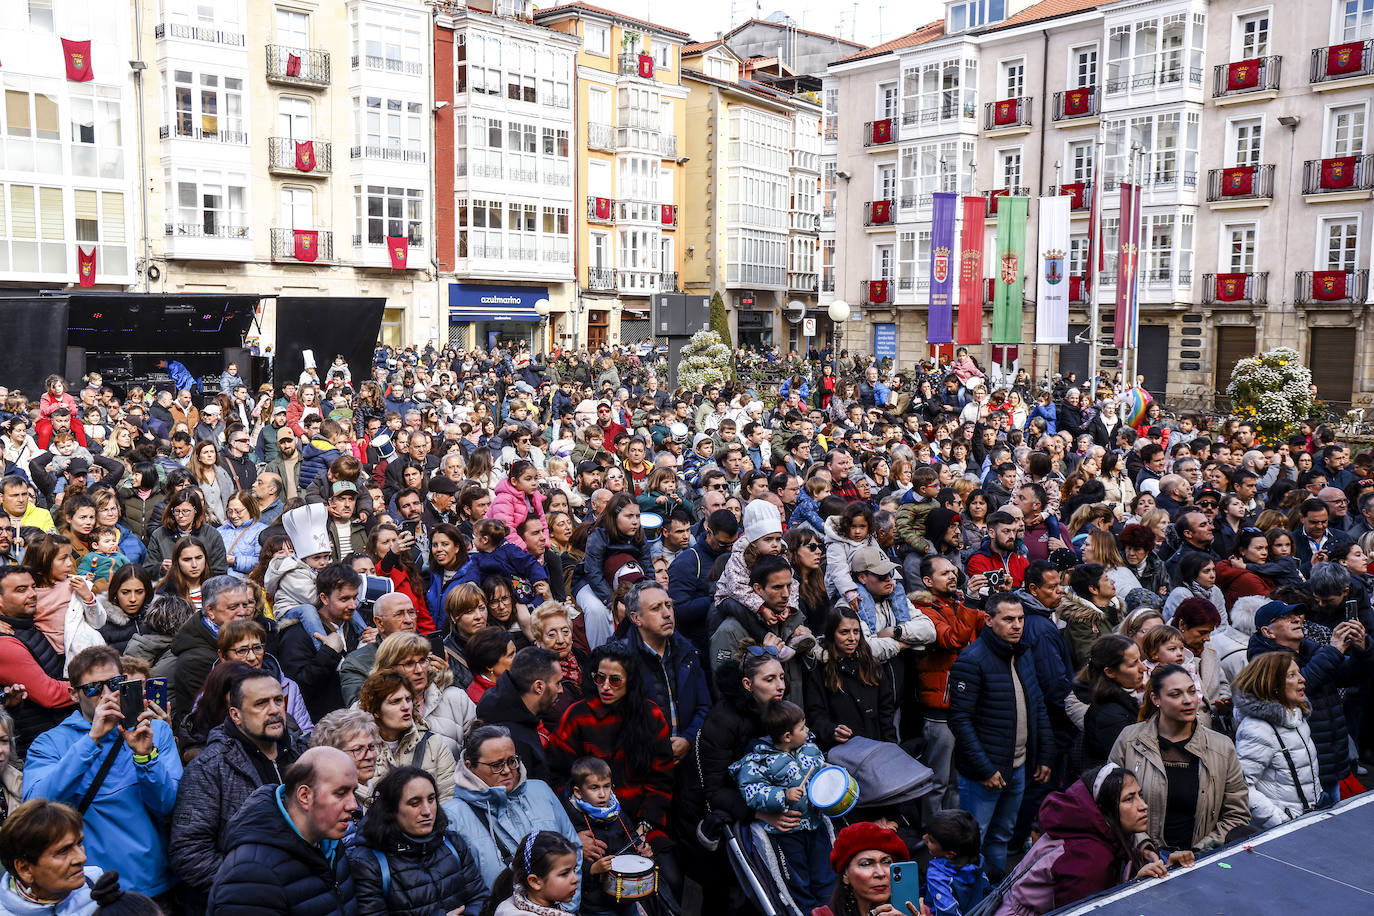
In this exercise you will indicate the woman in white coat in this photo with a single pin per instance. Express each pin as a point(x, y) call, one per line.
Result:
point(1273, 740)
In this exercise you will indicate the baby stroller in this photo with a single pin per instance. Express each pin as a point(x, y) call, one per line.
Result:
point(761, 871)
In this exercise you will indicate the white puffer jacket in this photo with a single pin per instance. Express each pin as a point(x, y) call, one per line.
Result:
point(1273, 797)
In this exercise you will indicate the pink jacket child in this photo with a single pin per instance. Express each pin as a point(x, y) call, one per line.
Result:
point(56, 396)
point(516, 497)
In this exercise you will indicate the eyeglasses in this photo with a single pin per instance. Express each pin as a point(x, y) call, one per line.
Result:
point(1207, 504)
point(761, 651)
point(717, 486)
point(615, 680)
point(814, 545)
point(501, 766)
point(96, 688)
point(360, 751)
point(256, 648)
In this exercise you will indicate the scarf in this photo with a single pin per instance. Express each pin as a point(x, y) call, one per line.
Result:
point(601, 813)
point(572, 670)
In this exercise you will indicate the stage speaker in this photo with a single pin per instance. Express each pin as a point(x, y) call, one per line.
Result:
point(239, 356)
point(76, 367)
point(34, 344)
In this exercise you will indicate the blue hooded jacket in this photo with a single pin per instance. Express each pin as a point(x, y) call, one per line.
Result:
point(952, 890)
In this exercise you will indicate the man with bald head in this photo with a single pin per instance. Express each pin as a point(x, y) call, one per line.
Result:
point(283, 851)
point(392, 613)
point(1338, 505)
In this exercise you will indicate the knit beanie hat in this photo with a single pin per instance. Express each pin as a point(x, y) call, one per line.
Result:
point(938, 524)
point(855, 838)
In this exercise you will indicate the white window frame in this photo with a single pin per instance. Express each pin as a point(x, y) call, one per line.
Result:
point(600, 48)
point(1226, 260)
point(1343, 30)
point(1242, 33)
point(1234, 128)
point(1077, 74)
point(1323, 241)
point(1011, 78)
point(1329, 138)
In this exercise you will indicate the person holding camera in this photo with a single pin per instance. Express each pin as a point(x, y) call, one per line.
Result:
point(117, 764)
point(998, 558)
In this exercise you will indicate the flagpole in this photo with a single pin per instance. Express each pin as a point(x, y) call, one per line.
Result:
point(1134, 329)
point(1094, 242)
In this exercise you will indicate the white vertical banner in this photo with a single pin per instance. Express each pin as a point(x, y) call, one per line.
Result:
point(1052, 278)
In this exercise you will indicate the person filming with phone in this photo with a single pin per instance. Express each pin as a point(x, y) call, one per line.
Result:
point(114, 761)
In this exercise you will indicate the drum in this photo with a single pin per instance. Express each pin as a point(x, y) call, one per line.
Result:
point(652, 523)
point(630, 878)
point(833, 791)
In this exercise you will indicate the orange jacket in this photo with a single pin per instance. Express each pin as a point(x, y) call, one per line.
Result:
point(956, 625)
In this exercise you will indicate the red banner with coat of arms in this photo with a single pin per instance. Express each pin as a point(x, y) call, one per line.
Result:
point(1230, 287)
point(668, 216)
point(305, 156)
point(880, 211)
point(602, 207)
point(85, 266)
point(1345, 58)
point(1078, 101)
point(1238, 181)
point(1338, 173)
point(882, 130)
point(1328, 285)
point(398, 249)
point(877, 292)
point(1074, 190)
point(307, 243)
point(76, 55)
point(1006, 112)
point(1243, 74)
point(646, 66)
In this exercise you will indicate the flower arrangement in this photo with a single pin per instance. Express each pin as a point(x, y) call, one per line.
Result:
point(1273, 391)
point(704, 361)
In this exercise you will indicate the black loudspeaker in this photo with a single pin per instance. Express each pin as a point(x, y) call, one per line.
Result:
point(76, 367)
point(327, 325)
point(34, 344)
point(239, 356)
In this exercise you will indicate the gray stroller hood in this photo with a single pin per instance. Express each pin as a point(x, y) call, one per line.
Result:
point(885, 773)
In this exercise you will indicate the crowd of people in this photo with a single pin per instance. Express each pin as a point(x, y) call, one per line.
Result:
point(456, 636)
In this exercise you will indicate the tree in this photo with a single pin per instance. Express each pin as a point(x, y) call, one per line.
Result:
point(704, 361)
point(720, 322)
point(1272, 391)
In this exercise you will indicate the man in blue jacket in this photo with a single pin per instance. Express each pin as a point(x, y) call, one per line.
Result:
point(689, 576)
point(676, 679)
point(1001, 730)
point(127, 812)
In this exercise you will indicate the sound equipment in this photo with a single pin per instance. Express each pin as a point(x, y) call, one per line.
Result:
point(34, 343)
point(76, 367)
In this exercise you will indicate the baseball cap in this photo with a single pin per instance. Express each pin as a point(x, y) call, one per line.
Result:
point(1276, 610)
point(621, 567)
point(344, 486)
point(78, 466)
point(871, 560)
point(588, 467)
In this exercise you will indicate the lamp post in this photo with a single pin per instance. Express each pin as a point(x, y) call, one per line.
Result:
point(839, 314)
point(542, 309)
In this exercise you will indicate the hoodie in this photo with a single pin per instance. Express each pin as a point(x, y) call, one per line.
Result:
point(316, 456)
point(839, 550)
point(289, 583)
point(952, 890)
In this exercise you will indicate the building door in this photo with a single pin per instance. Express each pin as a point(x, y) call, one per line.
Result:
point(1334, 372)
point(1233, 345)
point(598, 328)
point(1153, 358)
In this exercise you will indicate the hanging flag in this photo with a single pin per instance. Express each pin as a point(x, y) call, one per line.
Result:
point(1006, 112)
point(1123, 266)
point(646, 66)
point(398, 248)
point(1075, 192)
point(1052, 275)
point(305, 156)
point(669, 215)
point(85, 265)
point(307, 244)
point(1076, 285)
point(77, 57)
point(602, 208)
point(880, 211)
point(940, 322)
point(1230, 287)
point(1346, 58)
point(882, 130)
point(1238, 181)
point(877, 292)
point(1078, 102)
point(1011, 249)
point(1094, 241)
point(1328, 285)
point(1243, 74)
point(1338, 172)
point(971, 271)
point(993, 197)
point(1133, 325)
point(293, 64)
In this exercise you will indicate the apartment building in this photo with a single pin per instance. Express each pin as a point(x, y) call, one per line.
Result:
point(504, 172)
point(68, 161)
point(1284, 237)
point(631, 109)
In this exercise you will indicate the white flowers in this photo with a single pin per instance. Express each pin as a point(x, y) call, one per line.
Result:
point(1271, 390)
point(705, 361)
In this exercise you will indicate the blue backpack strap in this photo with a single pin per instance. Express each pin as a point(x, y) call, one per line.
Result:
point(449, 844)
point(386, 871)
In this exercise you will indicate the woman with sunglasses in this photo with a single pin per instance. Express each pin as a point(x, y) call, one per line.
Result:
point(807, 555)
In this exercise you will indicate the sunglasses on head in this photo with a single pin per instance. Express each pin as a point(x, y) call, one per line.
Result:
point(761, 651)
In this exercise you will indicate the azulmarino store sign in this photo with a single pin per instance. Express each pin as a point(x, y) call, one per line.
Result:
point(481, 302)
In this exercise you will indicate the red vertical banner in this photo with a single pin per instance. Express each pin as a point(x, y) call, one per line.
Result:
point(668, 216)
point(85, 266)
point(398, 248)
point(76, 56)
point(293, 65)
point(305, 156)
point(1124, 271)
point(1094, 242)
point(971, 271)
point(602, 207)
point(646, 66)
point(307, 243)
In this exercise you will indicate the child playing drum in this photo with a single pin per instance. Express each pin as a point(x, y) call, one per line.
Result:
point(773, 778)
point(592, 806)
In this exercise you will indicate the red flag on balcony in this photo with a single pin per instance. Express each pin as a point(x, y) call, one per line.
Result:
point(882, 130)
point(305, 156)
point(1338, 173)
point(1238, 182)
point(1075, 191)
point(1005, 112)
point(293, 65)
point(307, 244)
point(1328, 285)
point(669, 214)
point(881, 211)
point(77, 56)
point(1076, 285)
point(1243, 74)
point(992, 199)
point(1346, 58)
point(1230, 287)
point(646, 66)
point(85, 266)
point(398, 249)
point(877, 292)
point(1078, 101)
point(990, 291)
point(602, 208)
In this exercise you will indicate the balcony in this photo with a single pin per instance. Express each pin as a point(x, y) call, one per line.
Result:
point(601, 137)
point(667, 146)
point(600, 278)
point(1165, 78)
point(600, 210)
point(1077, 293)
point(1074, 105)
point(184, 131)
point(197, 33)
point(208, 229)
point(389, 64)
point(642, 281)
point(632, 63)
point(1007, 117)
point(879, 212)
point(555, 256)
point(297, 247)
point(1338, 178)
point(1339, 66)
point(1003, 192)
point(757, 275)
point(359, 242)
point(667, 281)
point(1249, 80)
point(1338, 287)
point(313, 159)
point(1166, 276)
point(1080, 192)
point(303, 67)
point(1240, 186)
point(386, 153)
point(945, 111)
point(880, 133)
point(1235, 288)
point(877, 292)
point(802, 283)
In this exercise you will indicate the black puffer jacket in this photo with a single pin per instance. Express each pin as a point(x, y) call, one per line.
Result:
point(1104, 722)
point(269, 869)
point(868, 711)
point(730, 730)
point(426, 878)
point(982, 709)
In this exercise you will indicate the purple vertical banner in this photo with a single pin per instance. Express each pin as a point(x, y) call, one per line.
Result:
point(940, 324)
point(1137, 229)
point(1125, 271)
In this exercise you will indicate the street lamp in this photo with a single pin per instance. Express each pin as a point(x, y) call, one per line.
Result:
point(839, 313)
point(542, 309)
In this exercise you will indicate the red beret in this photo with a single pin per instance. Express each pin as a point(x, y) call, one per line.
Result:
point(855, 838)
